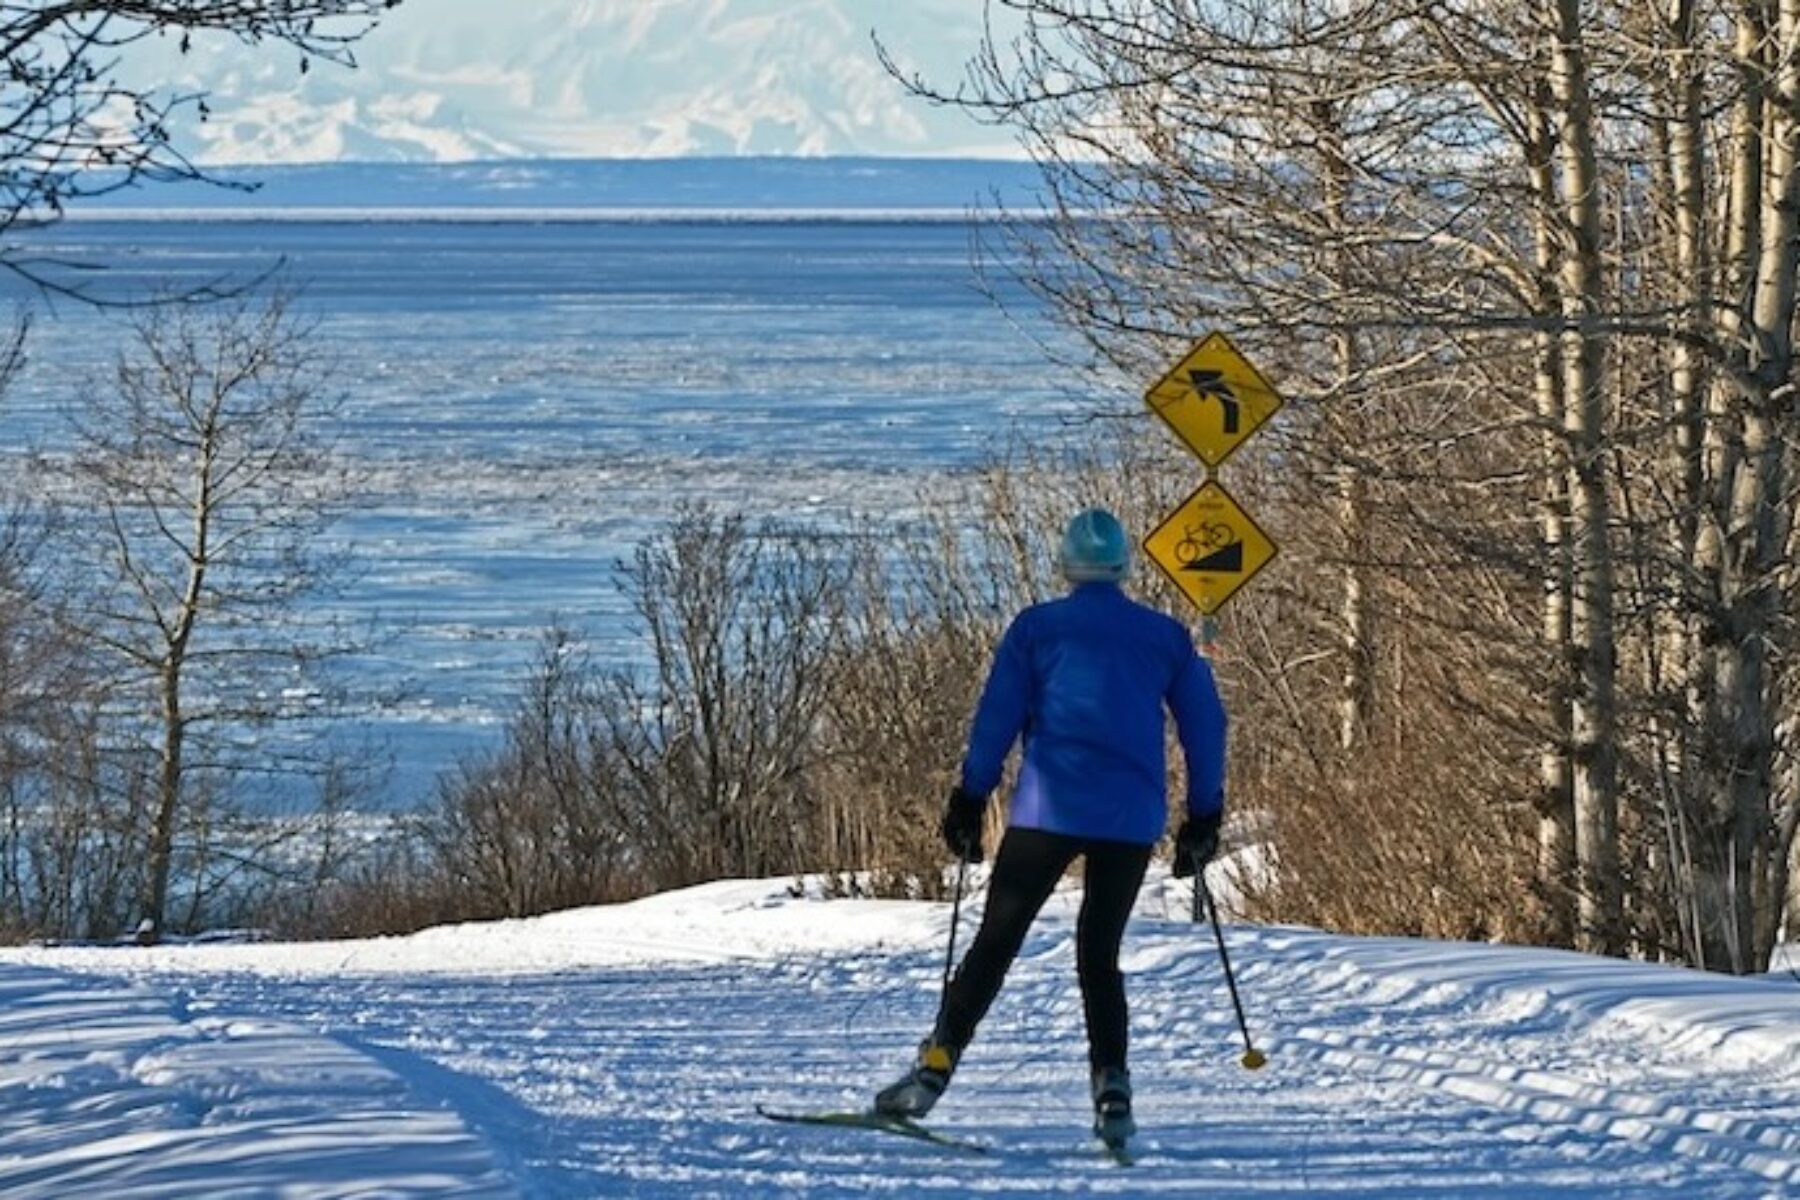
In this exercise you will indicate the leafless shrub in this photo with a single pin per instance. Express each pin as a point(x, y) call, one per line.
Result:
point(542, 823)
point(200, 488)
point(807, 698)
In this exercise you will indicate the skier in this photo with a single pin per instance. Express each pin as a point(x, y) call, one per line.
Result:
point(1084, 679)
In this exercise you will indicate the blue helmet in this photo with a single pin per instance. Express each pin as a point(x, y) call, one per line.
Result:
point(1094, 548)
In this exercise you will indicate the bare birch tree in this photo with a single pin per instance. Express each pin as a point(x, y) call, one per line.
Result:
point(1592, 646)
point(1745, 529)
point(204, 480)
point(1572, 220)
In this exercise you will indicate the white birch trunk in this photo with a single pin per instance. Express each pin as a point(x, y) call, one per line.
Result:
point(1782, 892)
point(1556, 799)
point(1762, 499)
point(1790, 926)
point(1686, 142)
point(1718, 689)
point(1356, 697)
point(1736, 844)
point(1593, 705)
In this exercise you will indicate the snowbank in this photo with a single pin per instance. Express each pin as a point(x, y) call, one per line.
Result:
point(1721, 1019)
point(735, 920)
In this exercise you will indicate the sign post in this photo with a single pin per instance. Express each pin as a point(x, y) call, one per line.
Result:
point(1209, 547)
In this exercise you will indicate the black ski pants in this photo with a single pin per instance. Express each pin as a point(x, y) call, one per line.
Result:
point(1026, 869)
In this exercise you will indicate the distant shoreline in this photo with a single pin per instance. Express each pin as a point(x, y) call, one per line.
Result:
point(479, 215)
point(587, 190)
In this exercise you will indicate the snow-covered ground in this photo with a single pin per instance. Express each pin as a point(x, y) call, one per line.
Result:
point(110, 1089)
point(622, 1051)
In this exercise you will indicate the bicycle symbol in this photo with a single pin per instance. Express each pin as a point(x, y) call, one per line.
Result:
point(1202, 539)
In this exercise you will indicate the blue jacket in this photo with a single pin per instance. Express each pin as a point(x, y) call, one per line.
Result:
point(1084, 679)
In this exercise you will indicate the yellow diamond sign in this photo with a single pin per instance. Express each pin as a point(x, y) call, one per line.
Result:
point(1209, 548)
point(1213, 399)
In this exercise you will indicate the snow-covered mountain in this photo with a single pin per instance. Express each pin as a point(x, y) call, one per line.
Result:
point(456, 80)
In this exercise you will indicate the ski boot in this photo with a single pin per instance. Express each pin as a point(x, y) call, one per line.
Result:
point(912, 1095)
point(1112, 1106)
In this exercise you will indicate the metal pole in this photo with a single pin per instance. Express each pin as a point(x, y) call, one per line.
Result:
point(1209, 637)
point(1253, 1058)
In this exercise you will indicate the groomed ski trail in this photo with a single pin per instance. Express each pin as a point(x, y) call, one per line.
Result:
point(1396, 1068)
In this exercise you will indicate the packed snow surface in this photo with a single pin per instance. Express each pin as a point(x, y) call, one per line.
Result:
point(114, 1089)
point(621, 1051)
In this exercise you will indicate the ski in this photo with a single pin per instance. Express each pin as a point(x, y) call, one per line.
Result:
point(1118, 1151)
point(879, 1122)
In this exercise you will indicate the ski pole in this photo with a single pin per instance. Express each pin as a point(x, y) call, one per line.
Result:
point(962, 871)
point(1253, 1058)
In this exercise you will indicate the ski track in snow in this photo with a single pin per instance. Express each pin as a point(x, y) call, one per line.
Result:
point(110, 1090)
point(621, 1052)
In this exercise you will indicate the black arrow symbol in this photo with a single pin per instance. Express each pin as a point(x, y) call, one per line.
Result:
point(1212, 383)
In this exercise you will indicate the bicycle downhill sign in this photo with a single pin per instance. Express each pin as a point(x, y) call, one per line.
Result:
point(1209, 547)
point(1213, 400)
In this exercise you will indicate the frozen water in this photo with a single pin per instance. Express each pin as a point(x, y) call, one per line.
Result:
point(528, 399)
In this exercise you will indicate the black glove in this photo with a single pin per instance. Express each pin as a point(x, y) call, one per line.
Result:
point(1195, 844)
point(962, 824)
